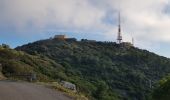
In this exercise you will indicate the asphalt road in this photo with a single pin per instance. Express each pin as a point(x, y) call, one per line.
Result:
point(10, 90)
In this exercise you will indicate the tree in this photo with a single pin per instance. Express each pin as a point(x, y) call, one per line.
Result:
point(5, 46)
point(163, 91)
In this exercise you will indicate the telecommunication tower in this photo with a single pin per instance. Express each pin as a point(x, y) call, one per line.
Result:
point(119, 37)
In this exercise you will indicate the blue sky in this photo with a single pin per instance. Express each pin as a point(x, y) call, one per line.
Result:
point(147, 21)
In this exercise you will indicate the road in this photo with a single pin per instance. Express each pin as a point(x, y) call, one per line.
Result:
point(10, 90)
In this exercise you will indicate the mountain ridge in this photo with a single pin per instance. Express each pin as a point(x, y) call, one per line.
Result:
point(98, 68)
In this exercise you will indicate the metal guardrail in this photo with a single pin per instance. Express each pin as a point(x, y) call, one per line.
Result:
point(0, 67)
point(28, 76)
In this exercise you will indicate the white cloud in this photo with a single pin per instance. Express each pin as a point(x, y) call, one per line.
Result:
point(78, 14)
point(145, 20)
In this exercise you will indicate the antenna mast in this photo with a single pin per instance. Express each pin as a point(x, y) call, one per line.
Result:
point(132, 41)
point(119, 37)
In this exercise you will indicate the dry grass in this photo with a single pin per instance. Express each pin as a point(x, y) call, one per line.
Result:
point(57, 86)
point(2, 77)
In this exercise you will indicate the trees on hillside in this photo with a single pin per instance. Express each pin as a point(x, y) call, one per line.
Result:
point(162, 92)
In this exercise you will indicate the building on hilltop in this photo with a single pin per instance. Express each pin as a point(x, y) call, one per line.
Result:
point(60, 37)
point(64, 37)
point(126, 44)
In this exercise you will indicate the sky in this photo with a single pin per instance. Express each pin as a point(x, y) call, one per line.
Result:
point(147, 21)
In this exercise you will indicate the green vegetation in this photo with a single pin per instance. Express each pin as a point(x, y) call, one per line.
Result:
point(15, 63)
point(163, 90)
point(101, 70)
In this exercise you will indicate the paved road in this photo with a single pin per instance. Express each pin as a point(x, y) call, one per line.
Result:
point(27, 91)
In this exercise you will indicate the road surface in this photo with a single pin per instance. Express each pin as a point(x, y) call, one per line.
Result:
point(10, 90)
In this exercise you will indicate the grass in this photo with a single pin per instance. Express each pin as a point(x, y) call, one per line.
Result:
point(57, 86)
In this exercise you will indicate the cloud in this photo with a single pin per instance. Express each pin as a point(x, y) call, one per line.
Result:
point(147, 20)
point(66, 14)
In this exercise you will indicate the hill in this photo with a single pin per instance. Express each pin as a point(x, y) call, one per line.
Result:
point(14, 63)
point(102, 70)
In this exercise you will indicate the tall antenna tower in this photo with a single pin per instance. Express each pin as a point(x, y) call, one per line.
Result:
point(119, 37)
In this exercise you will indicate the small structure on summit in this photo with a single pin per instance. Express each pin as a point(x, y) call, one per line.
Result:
point(60, 37)
point(126, 44)
point(86, 40)
point(64, 37)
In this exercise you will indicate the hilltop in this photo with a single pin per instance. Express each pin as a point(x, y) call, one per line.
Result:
point(102, 70)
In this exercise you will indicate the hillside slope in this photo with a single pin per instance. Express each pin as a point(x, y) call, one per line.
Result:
point(162, 91)
point(14, 63)
point(102, 70)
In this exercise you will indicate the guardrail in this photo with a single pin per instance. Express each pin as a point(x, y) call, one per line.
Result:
point(28, 76)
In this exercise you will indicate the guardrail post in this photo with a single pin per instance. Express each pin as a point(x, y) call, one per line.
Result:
point(0, 67)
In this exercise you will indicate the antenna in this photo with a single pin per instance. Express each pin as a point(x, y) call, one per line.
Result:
point(132, 41)
point(119, 37)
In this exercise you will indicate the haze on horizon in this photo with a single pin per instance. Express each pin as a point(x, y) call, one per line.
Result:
point(147, 21)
